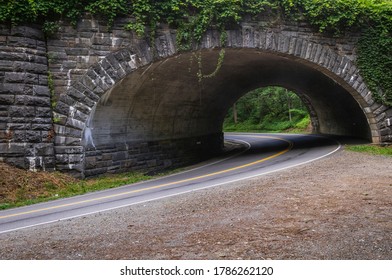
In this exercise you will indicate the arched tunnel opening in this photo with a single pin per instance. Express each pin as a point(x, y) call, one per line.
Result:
point(163, 112)
point(270, 110)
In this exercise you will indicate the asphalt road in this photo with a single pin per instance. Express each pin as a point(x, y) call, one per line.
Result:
point(264, 153)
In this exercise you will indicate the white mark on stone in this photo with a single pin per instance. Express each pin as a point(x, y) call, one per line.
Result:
point(72, 111)
point(114, 41)
point(8, 132)
point(32, 165)
point(87, 132)
point(132, 62)
point(69, 78)
point(32, 161)
point(345, 67)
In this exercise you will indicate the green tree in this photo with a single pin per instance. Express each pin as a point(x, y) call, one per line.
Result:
point(268, 109)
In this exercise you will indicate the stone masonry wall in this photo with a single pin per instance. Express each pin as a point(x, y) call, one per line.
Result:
point(26, 131)
point(30, 139)
point(151, 156)
point(72, 51)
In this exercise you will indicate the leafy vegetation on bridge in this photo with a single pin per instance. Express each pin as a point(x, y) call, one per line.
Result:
point(193, 17)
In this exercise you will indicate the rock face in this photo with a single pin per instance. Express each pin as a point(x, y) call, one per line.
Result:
point(122, 102)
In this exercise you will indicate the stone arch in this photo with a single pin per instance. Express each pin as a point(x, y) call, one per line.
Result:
point(76, 150)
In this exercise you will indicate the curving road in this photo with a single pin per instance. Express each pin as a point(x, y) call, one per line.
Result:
point(264, 153)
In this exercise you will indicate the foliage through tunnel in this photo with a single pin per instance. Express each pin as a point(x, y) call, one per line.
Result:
point(270, 109)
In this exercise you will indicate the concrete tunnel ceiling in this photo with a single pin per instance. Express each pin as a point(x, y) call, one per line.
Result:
point(164, 100)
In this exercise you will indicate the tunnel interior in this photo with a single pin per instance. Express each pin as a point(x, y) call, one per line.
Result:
point(166, 100)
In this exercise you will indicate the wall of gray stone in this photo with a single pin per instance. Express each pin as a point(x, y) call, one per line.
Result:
point(71, 51)
point(28, 134)
point(150, 156)
point(26, 131)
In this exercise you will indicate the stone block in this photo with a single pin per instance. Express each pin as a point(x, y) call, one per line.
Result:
point(21, 111)
point(41, 127)
point(69, 149)
point(93, 95)
point(95, 172)
point(84, 108)
point(49, 163)
point(14, 149)
point(22, 41)
point(18, 126)
point(43, 112)
point(88, 82)
point(33, 136)
point(33, 32)
point(77, 51)
point(75, 94)
point(73, 123)
point(40, 90)
point(67, 131)
point(75, 168)
point(119, 156)
point(30, 67)
point(32, 101)
point(6, 65)
point(42, 120)
point(69, 158)
point(90, 162)
point(18, 161)
point(7, 99)
point(385, 132)
point(21, 77)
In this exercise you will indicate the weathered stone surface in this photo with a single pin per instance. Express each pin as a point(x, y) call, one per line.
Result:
point(24, 90)
point(7, 99)
point(90, 64)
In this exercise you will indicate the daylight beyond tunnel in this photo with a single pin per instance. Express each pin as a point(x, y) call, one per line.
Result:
point(166, 100)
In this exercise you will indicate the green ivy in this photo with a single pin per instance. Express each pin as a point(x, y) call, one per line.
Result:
point(192, 19)
point(375, 63)
point(373, 18)
point(110, 9)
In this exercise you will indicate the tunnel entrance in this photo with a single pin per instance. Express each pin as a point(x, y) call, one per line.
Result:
point(163, 115)
point(166, 100)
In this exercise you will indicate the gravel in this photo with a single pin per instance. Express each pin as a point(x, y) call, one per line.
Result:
point(336, 208)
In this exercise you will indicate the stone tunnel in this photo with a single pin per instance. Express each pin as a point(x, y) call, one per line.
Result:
point(126, 103)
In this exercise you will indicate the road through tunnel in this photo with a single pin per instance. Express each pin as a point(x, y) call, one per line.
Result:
point(163, 114)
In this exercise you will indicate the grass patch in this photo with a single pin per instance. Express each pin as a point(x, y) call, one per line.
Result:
point(371, 149)
point(269, 125)
point(45, 186)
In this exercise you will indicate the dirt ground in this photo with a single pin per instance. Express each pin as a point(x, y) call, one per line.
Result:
point(336, 208)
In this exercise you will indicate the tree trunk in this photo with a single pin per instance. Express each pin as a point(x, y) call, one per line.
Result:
point(235, 116)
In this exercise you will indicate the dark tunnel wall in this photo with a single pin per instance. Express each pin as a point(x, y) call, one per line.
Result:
point(165, 100)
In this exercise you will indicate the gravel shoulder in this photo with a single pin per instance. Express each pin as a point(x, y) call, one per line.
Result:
point(336, 208)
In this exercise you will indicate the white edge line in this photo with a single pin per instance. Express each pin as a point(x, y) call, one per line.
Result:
point(181, 193)
point(138, 183)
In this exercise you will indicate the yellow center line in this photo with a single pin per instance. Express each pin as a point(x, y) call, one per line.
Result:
point(162, 185)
